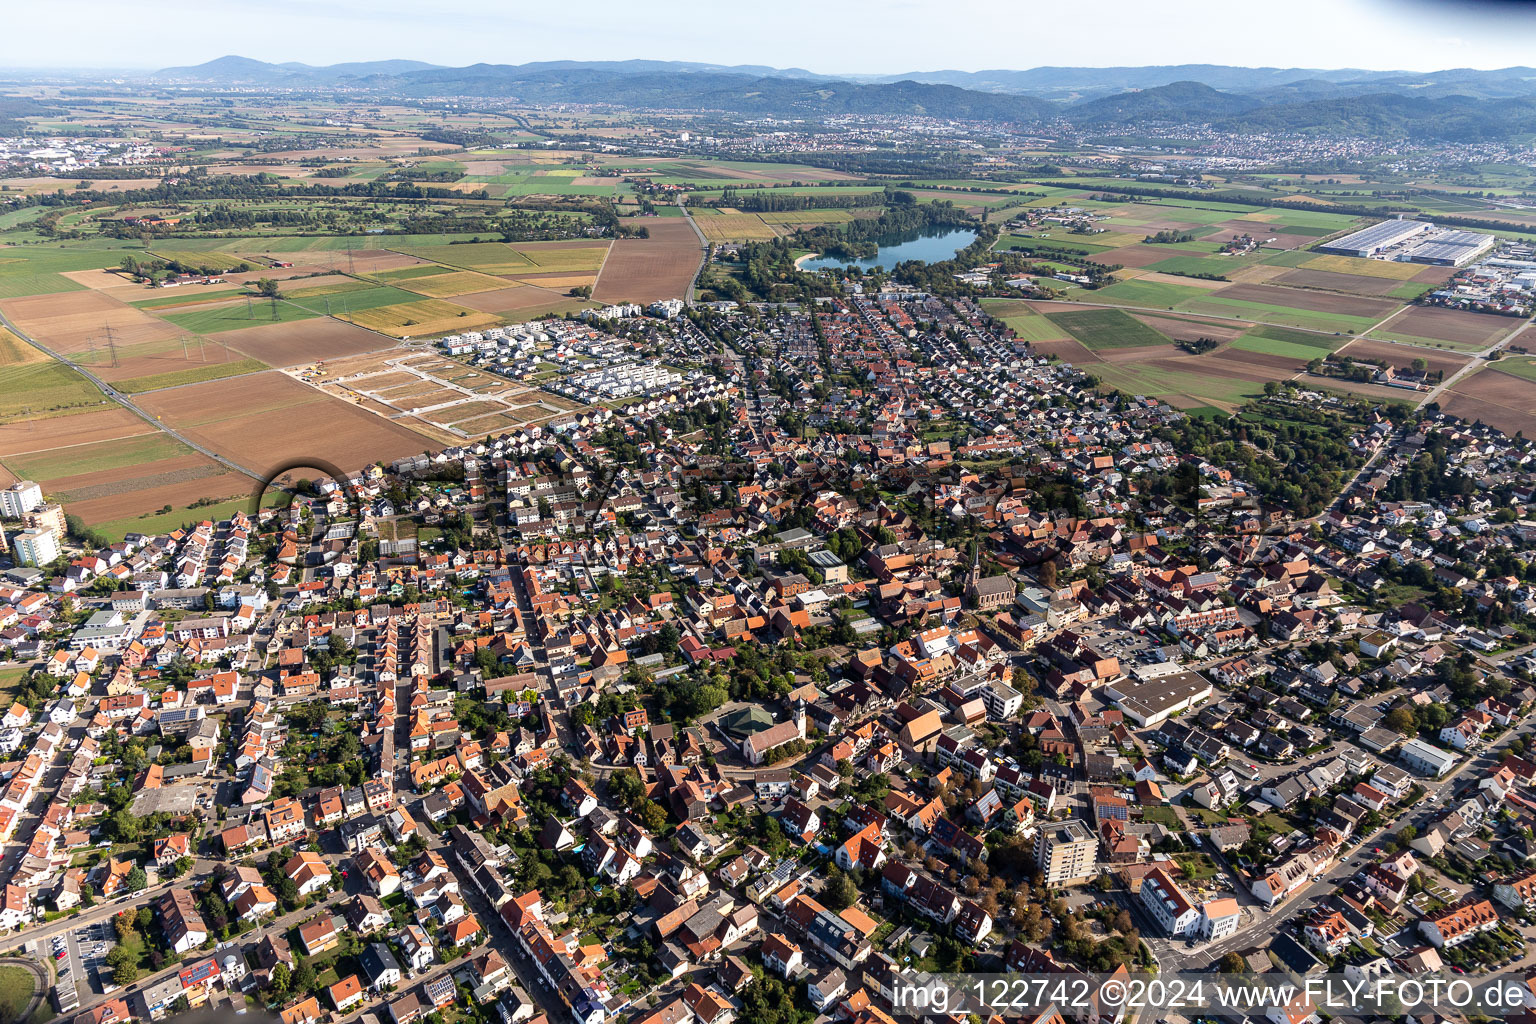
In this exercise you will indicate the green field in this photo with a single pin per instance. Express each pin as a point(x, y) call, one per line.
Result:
point(33, 385)
point(16, 983)
point(1287, 315)
point(1148, 294)
point(186, 297)
point(238, 315)
point(1026, 323)
point(352, 301)
point(213, 260)
point(1516, 366)
point(1143, 379)
point(1106, 328)
point(213, 371)
point(1280, 341)
point(1224, 266)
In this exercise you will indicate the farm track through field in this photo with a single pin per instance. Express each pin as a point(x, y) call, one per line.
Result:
point(128, 403)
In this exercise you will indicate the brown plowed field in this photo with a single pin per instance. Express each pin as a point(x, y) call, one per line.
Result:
point(61, 431)
point(1454, 325)
point(1355, 284)
point(646, 269)
point(1320, 302)
point(1184, 330)
point(1402, 356)
point(515, 297)
point(1501, 399)
point(305, 341)
point(266, 418)
point(177, 494)
point(1074, 352)
point(1134, 255)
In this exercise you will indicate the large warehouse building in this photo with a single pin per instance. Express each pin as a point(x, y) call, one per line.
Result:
point(1370, 241)
point(1450, 248)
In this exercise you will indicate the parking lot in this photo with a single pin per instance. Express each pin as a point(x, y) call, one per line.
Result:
point(91, 945)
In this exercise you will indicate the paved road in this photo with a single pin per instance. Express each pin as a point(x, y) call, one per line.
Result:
point(127, 403)
point(703, 244)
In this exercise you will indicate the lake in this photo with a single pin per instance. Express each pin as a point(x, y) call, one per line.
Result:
point(929, 246)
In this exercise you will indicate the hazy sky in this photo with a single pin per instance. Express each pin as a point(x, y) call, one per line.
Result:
point(854, 36)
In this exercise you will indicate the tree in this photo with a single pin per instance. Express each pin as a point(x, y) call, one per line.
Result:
point(268, 288)
point(1401, 720)
point(304, 977)
point(280, 979)
point(1048, 575)
point(841, 892)
point(1232, 963)
point(136, 880)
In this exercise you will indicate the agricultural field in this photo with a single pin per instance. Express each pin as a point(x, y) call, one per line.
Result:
point(646, 269)
point(250, 420)
point(451, 283)
point(239, 315)
point(734, 227)
point(1301, 346)
point(419, 319)
point(1106, 328)
point(1025, 322)
point(33, 385)
point(1446, 328)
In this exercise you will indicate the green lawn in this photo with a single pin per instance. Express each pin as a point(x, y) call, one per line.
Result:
point(162, 299)
point(16, 988)
point(1106, 328)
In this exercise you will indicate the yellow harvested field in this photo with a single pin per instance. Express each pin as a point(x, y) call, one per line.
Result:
point(564, 258)
point(419, 319)
point(807, 217)
point(1364, 268)
point(459, 282)
point(558, 282)
point(736, 227)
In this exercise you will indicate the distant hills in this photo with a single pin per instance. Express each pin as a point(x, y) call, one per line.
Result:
point(1455, 105)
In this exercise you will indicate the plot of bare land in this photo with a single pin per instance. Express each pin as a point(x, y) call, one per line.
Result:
point(1074, 352)
point(1458, 327)
point(177, 490)
point(1134, 255)
point(646, 269)
point(519, 298)
point(265, 419)
point(1504, 400)
point(1355, 284)
point(73, 322)
point(26, 436)
point(1402, 356)
point(1296, 298)
point(306, 341)
point(1181, 329)
point(442, 394)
